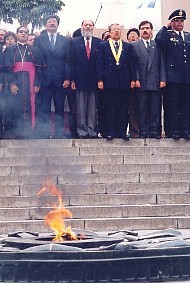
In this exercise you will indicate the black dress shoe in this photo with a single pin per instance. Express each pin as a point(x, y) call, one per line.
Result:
point(125, 138)
point(186, 136)
point(155, 136)
point(84, 137)
point(144, 136)
point(109, 138)
point(175, 136)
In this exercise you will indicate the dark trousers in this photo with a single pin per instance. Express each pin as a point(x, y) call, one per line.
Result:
point(149, 111)
point(43, 110)
point(72, 115)
point(166, 125)
point(133, 120)
point(178, 98)
point(101, 113)
point(21, 115)
point(116, 106)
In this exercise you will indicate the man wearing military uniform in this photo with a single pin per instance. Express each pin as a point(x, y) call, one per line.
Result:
point(176, 45)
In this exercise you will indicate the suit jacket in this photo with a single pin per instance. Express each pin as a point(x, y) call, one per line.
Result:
point(84, 69)
point(1, 68)
point(57, 65)
point(116, 76)
point(177, 54)
point(150, 67)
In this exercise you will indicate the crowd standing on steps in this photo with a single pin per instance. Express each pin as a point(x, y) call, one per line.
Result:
point(55, 86)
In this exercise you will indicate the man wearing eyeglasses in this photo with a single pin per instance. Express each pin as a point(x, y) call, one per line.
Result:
point(176, 45)
point(116, 73)
point(23, 67)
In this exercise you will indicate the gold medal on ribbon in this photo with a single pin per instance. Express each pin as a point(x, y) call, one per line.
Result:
point(118, 54)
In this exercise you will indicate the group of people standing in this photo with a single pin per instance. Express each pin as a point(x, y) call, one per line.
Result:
point(109, 83)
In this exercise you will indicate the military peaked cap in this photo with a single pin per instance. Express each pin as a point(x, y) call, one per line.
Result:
point(178, 14)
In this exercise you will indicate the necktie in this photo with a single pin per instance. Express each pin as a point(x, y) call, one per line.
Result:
point(116, 47)
point(148, 46)
point(88, 47)
point(180, 36)
point(52, 41)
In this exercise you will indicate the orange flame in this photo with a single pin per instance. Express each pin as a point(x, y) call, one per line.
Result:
point(55, 218)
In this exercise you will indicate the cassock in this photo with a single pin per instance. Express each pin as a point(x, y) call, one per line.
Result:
point(23, 67)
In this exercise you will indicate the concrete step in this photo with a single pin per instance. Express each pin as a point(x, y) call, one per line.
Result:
point(102, 224)
point(132, 168)
point(38, 151)
point(49, 170)
point(164, 177)
point(93, 143)
point(26, 161)
point(82, 200)
point(138, 223)
point(92, 169)
point(34, 225)
point(112, 199)
point(25, 180)
point(97, 178)
point(149, 188)
point(96, 200)
point(60, 160)
point(44, 170)
point(132, 143)
point(69, 178)
point(130, 151)
point(154, 159)
point(116, 188)
point(173, 198)
point(95, 212)
point(38, 143)
point(27, 202)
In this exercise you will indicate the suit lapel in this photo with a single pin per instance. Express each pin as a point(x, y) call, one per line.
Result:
point(47, 40)
point(186, 37)
point(82, 46)
point(93, 45)
point(152, 52)
point(56, 42)
point(143, 49)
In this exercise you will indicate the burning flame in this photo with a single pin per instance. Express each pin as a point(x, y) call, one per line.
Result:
point(55, 218)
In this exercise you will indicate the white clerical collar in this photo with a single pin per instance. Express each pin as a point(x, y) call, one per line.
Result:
point(21, 43)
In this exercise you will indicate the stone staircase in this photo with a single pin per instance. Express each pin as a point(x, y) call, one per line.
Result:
point(141, 184)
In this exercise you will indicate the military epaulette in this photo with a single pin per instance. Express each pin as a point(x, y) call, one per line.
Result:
point(171, 32)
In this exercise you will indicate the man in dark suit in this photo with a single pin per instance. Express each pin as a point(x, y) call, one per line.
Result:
point(176, 44)
point(116, 75)
point(151, 78)
point(55, 50)
point(84, 80)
